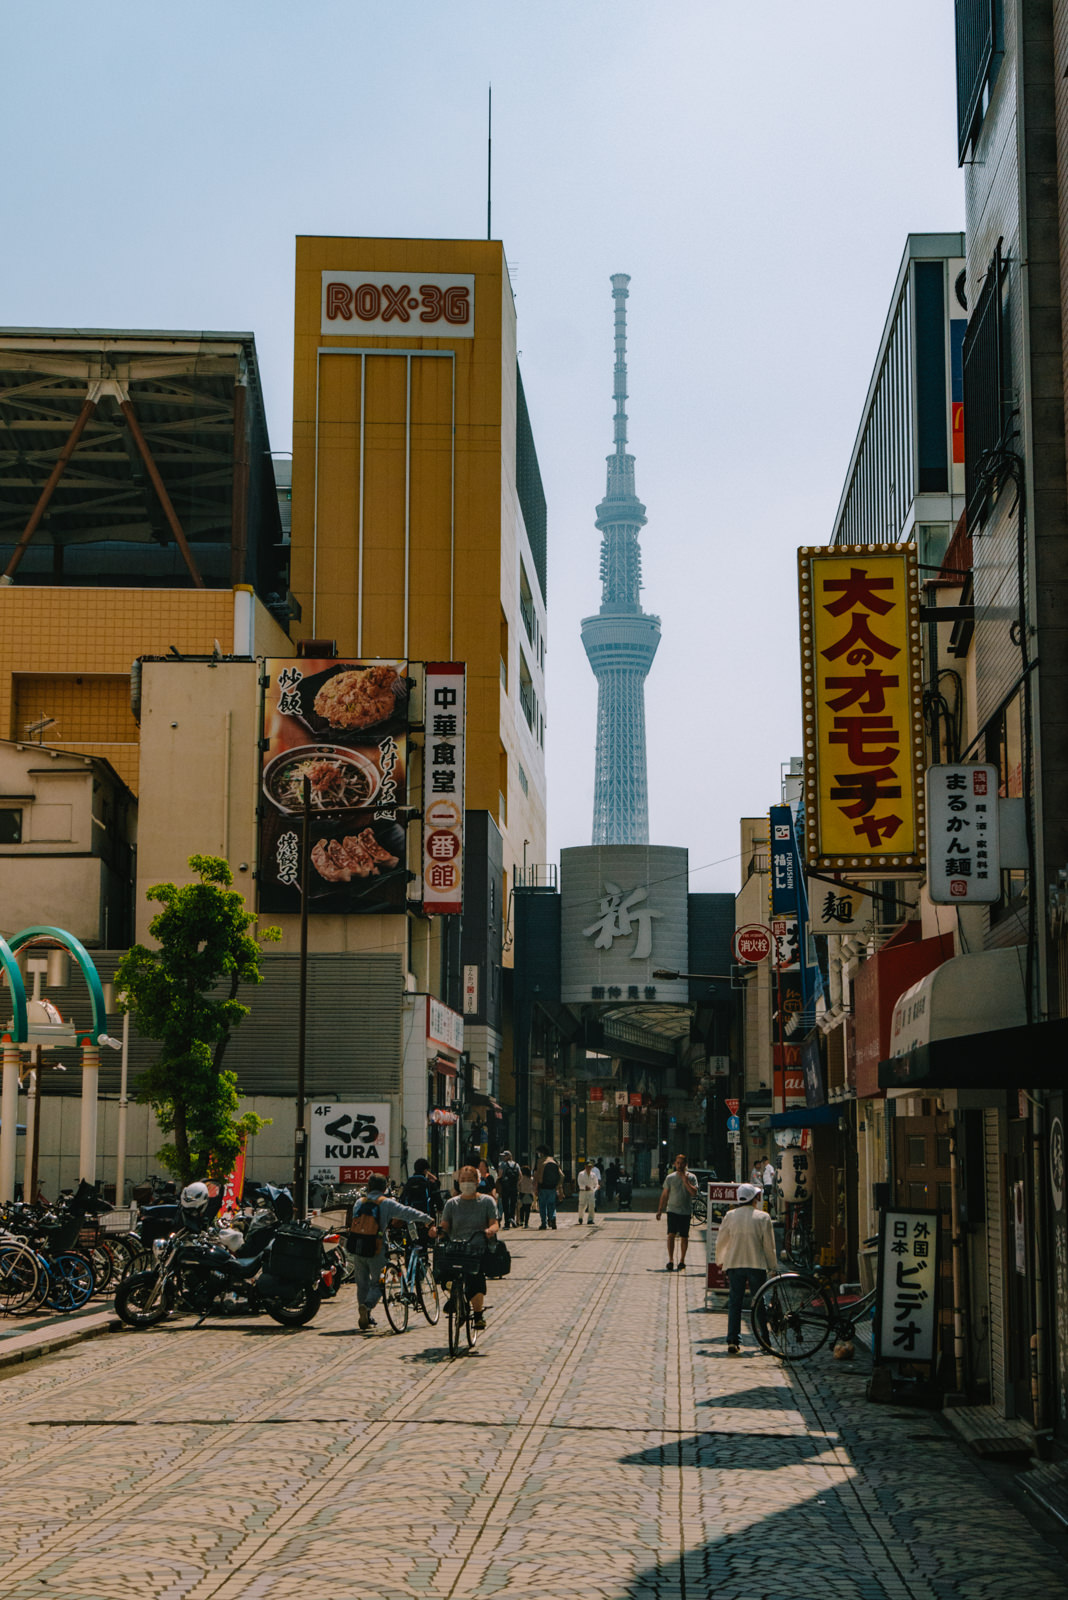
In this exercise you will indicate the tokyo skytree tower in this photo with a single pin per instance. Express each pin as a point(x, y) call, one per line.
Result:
point(621, 640)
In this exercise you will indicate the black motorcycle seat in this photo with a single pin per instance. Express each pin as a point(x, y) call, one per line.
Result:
point(247, 1266)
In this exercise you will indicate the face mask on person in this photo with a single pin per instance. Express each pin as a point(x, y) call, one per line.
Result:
point(468, 1188)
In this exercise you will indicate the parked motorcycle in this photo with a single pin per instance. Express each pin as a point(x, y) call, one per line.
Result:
point(275, 1268)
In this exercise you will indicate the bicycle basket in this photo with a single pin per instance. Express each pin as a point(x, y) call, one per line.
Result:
point(296, 1255)
point(460, 1255)
point(56, 1237)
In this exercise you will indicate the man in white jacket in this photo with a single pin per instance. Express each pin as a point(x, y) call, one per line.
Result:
point(589, 1182)
point(745, 1249)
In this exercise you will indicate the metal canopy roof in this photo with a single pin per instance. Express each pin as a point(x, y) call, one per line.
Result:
point(179, 410)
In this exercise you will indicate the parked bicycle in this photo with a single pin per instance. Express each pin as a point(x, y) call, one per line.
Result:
point(794, 1314)
point(408, 1278)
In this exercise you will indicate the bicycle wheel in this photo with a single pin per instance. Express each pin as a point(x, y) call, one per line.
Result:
point(470, 1331)
point(20, 1275)
point(105, 1268)
point(71, 1282)
point(395, 1296)
point(458, 1314)
point(791, 1317)
point(427, 1292)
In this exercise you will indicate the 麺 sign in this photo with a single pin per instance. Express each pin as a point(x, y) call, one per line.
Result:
point(413, 305)
point(443, 789)
point(906, 1314)
point(348, 1143)
point(963, 862)
point(862, 702)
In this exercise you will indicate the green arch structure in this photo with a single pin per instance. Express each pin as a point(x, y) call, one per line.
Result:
point(85, 962)
point(18, 992)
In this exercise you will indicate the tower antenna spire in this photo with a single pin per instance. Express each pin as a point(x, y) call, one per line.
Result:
point(622, 639)
point(489, 165)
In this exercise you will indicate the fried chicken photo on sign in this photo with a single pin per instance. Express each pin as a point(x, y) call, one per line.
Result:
point(359, 698)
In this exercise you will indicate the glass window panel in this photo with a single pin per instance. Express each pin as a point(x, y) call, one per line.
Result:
point(916, 1150)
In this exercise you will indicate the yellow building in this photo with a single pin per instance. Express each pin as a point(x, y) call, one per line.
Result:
point(418, 525)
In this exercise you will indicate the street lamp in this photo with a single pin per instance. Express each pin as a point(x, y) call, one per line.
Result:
point(711, 977)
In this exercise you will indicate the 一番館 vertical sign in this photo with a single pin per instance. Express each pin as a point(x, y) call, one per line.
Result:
point(861, 688)
point(443, 789)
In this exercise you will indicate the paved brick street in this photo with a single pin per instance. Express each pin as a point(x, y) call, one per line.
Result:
point(599, 1442)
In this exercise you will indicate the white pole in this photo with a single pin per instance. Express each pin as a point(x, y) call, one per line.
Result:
point(31, 1124)
point(90, 1083)
point(120, 1143)
point(9, 1112)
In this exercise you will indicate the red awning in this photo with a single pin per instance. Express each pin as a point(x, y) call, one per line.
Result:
point(443, 1065)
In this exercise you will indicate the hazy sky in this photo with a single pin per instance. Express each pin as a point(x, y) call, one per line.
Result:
point(755, 168)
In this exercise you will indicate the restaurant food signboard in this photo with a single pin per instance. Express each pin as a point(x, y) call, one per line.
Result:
point(443, 788)
point(862, 703)
point(343, 726)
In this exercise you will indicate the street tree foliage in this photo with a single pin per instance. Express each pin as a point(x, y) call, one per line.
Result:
point(184, 993)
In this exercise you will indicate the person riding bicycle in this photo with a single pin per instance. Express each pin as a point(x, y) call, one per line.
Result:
point(467, 1216)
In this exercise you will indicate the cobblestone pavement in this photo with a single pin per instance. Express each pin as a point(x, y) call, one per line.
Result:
point(598, 1442)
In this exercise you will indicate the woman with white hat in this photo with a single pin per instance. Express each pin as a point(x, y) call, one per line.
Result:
point(745, 1249)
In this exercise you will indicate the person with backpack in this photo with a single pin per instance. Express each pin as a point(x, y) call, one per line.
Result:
point(548, 1180)
point(508, 1189)
point(422, 1189)
point(371, 1217)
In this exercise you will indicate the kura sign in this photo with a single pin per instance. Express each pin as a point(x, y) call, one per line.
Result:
point(403, 304)
point(348, 1143)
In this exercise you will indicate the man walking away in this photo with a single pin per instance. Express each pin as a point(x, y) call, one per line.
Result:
point(422, 1189)
point(374, 1213)
point(769, 1184)
point(548, 1180)
point(677, 1198)
point(508, 1188)
point(587, 1192)
point(745, 1249)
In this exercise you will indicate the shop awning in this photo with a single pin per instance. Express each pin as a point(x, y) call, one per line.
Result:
point(1032, 1056)
point(476, 1098)
point(806, 1117)
point(964, 1026)
point(443, 1065)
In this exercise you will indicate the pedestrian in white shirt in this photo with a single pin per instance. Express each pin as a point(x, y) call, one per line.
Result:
point(588, 1185)
point(745, 1249)
point(769, 1183)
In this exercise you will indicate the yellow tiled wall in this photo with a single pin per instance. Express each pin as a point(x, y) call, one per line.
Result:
point(66, 653)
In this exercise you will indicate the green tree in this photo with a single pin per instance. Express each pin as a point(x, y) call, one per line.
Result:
point(184, 993)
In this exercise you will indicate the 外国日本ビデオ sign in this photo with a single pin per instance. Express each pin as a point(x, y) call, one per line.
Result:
point(964, 855)
point(348, 1142)
point(862, 703)
point(443, 788)
point(906, 1313)
point(343, 726)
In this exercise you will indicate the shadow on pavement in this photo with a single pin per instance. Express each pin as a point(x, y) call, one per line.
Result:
point(767, 1397)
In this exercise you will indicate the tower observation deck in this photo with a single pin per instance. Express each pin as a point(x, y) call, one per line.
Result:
point(621, 640)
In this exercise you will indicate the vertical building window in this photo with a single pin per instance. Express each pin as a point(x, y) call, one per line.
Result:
point(984, 391)
point(977, 43)
point(10, 825)
point(504, 651)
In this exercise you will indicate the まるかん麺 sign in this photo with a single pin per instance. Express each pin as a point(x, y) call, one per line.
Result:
point(862, 699)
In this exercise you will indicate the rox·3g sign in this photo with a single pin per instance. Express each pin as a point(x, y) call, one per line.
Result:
point(399, 303)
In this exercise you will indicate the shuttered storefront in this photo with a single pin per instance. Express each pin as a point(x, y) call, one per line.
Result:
point(995, 1262)
point(354, 1041)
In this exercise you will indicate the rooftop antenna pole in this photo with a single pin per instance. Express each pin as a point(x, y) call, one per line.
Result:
point(489, 165)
